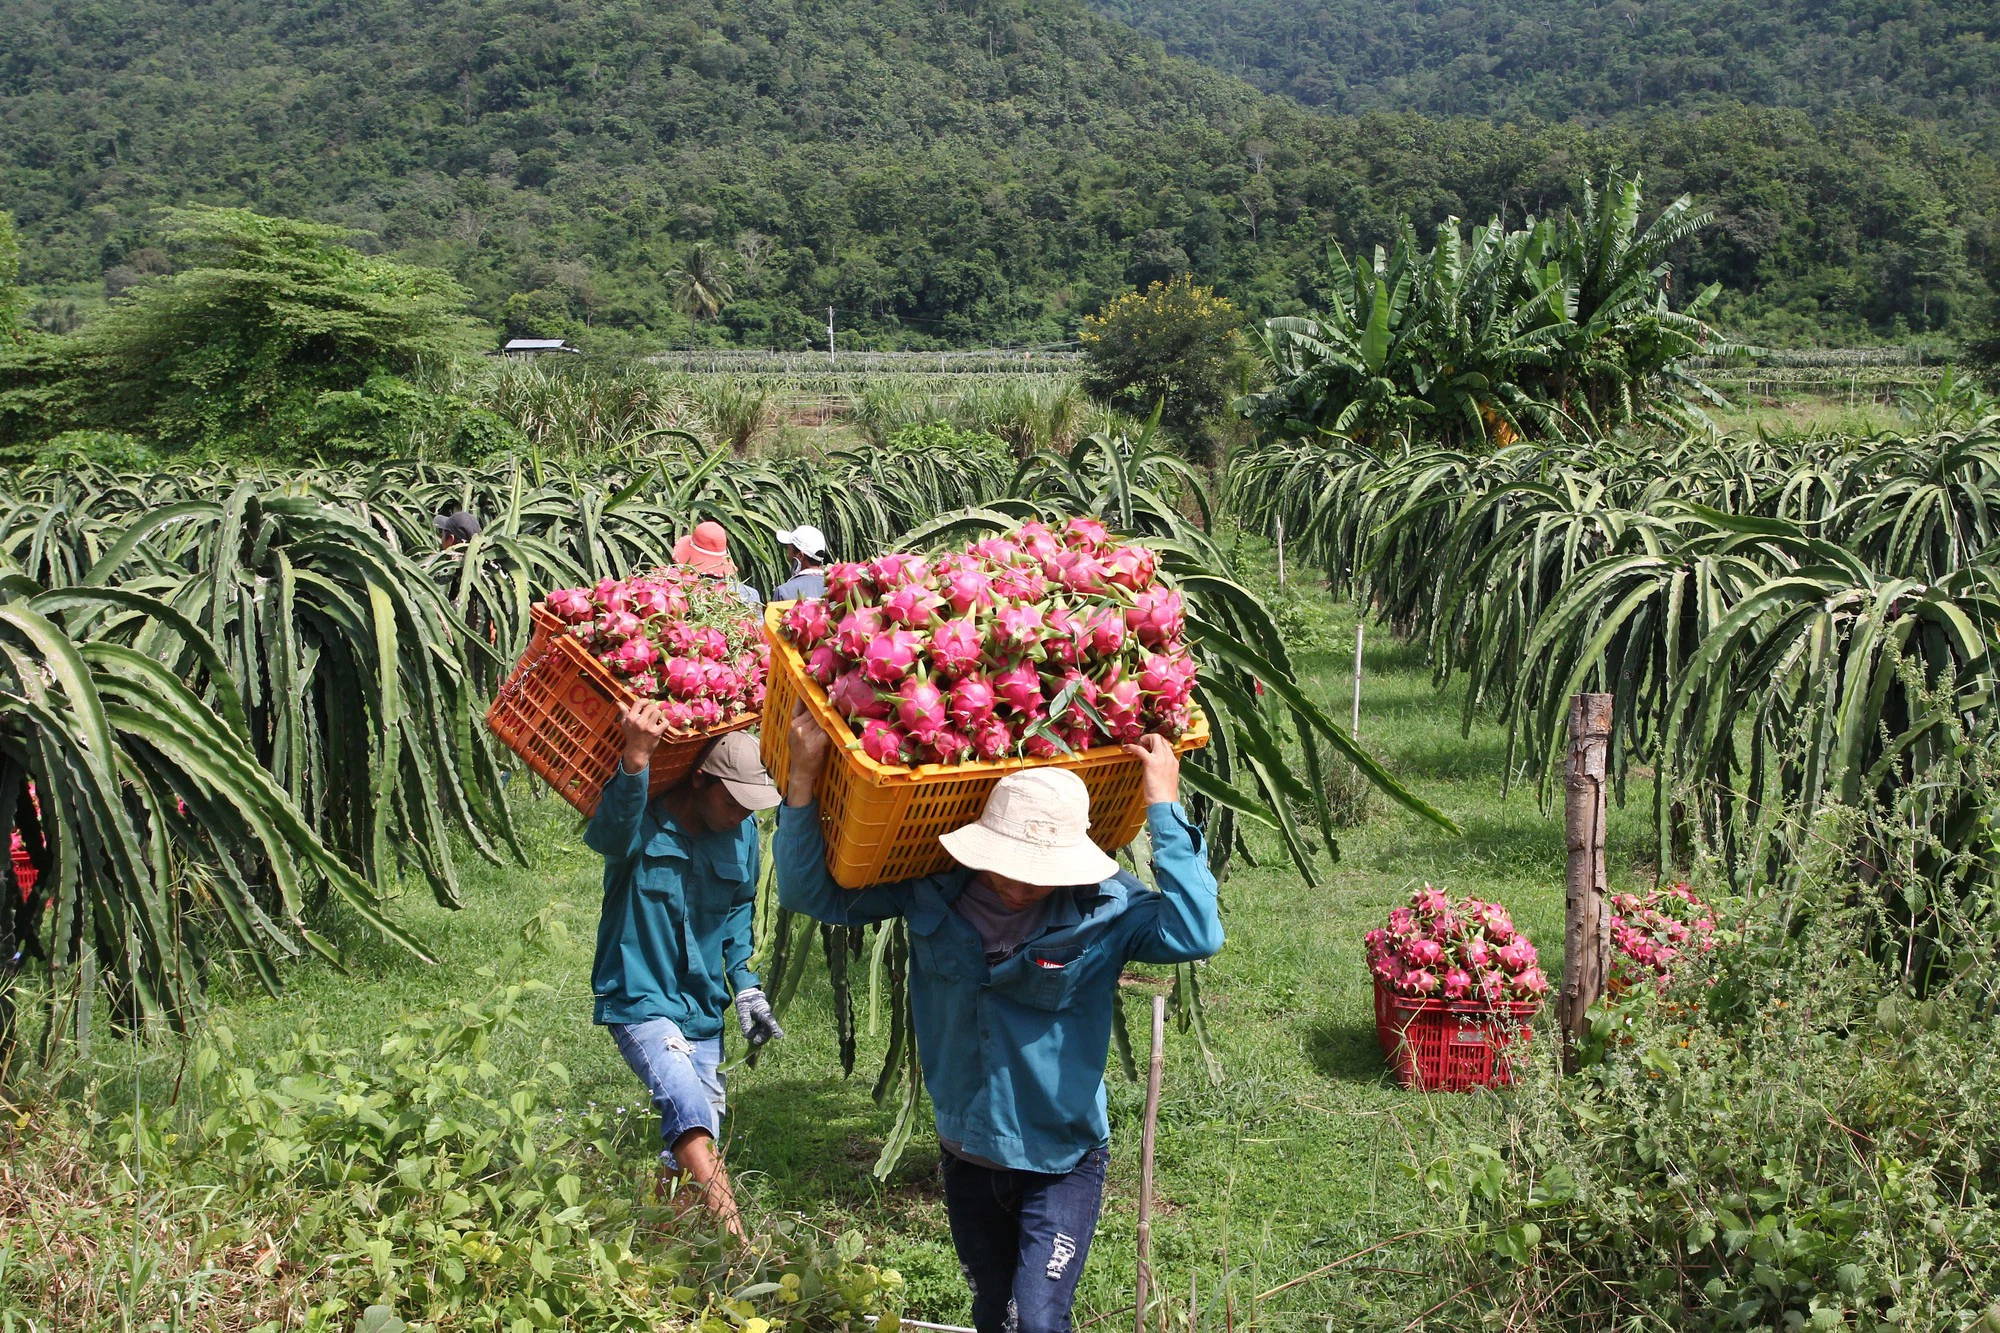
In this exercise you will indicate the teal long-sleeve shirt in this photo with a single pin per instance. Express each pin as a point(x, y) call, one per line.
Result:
point(674, 934)
point(1013, 1055)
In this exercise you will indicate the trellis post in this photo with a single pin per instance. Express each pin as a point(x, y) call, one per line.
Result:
point(1587, 909)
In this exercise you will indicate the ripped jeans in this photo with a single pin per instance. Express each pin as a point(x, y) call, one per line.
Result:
point(1022, 1238)
point(684, 1078)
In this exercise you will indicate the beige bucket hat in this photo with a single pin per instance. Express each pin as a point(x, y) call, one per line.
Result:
point(1036, 829)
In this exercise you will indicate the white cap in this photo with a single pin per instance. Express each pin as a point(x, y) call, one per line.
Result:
point(809, 539)
point(1036, 829)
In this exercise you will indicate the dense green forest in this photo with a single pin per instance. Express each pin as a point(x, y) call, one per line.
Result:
point(938, 171)
point(1558, 59)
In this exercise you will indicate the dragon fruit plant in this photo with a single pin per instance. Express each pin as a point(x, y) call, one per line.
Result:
point(1437, 949)
point(674, 635)
point(1652, 931)
point(1039, 642)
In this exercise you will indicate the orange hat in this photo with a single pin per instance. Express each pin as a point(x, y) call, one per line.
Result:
point(707, 549)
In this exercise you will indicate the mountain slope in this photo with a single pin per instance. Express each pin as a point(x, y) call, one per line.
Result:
point(939, 171)
point(1556, 59)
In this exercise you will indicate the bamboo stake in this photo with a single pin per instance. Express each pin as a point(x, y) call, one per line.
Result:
point(1354, 729)
point(1281, 549)
point(1587, 911)
point(1153, 1072)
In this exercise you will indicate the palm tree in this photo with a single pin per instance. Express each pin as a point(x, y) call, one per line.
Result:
point(701, 288)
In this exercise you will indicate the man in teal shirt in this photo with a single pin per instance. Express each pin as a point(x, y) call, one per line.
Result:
point(674, 935)
point(1015, 960)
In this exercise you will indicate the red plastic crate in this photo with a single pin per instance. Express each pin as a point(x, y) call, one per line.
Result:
point(1448, 1045)
point(558, 712)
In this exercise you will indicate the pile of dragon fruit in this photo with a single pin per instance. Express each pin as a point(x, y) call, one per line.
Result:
point(1038, 642)
point(1466, 950)
point(674, 635)
point(1656, 929)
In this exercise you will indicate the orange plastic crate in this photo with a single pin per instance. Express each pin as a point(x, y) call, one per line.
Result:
point(559, 712)
point(882, 822)
point(1448, 1045)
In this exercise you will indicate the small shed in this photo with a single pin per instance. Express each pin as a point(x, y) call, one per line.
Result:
point(529, 347)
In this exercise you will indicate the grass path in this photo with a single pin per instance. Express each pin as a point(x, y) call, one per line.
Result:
point(1293, 1160)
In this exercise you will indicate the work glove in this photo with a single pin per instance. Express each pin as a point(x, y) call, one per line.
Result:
point(754, 1016)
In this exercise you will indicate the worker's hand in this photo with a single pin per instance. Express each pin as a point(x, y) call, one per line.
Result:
point(810, 746)
point(753, 1015)
point(1159, 769)
point(643, 723)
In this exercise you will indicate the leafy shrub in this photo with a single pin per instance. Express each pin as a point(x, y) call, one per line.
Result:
point(419, 1182)
point(1784, 1138)
point(1175, 346)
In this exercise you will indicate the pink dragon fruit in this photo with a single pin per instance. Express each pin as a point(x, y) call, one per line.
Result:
point(1079, 573)
point(991, 739)
point(884, 743)
point(847, 580)
point(808, 623)
point(823, 664)
point(648, 600)
point(921, 710)
point(1120, 707)
point(1517, 955)
point(971, 702)
point(1065, 637)
point(1457, 983)
point(1531, 984)
point(1155, 617)
point(1036, 539)
point(1085, 534)
point(1171, 680)
point(898, 570)
point(1132, 567)
point(1019, 687)
point(1419, 981)
point(1019, 583)
point(615, 627)
point(634, 655)
point(1107, 632)
point(999, 550)
point(1423, 952)
point(911, 606)
point(956, 647)
point(892, 655)
point(855, 697)
point(1042, 744)
point(712, 643)
point(966, 589)
point(1476, 954)
point(858, 628)
point(682, 677)
point(947, 747)
point(679, 716)
point(571, 605)
point(1017, 629)
point(610, 595)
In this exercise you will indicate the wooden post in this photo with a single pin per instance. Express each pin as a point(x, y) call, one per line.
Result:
point(1280, 521)
point(1587, 910)
point(1354, 728)
point(1153, 1072)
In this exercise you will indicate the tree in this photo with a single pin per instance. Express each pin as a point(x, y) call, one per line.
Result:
point(12, 299)
point(701, 288)
point(263, 339)
point(1175, 345)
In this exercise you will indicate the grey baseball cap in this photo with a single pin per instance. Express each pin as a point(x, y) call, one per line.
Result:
point(463, 525)
point(734, 760)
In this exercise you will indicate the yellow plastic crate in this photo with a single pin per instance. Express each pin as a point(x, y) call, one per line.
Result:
point(882, 822)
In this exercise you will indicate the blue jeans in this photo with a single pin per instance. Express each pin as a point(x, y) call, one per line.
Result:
point(683, 1077)
point(1022, 1238)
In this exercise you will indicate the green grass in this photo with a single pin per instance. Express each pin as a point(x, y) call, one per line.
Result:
point(1294, 1160)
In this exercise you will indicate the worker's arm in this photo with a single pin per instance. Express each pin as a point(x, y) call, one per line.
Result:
point(614, 831)
point(800, 849)
point(1186, 922)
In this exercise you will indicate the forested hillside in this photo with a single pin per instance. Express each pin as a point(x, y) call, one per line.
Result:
point(939, 172)
point(1556, 59)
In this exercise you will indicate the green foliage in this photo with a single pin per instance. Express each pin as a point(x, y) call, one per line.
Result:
point(941, 175)
point(1557, 61)
point(412, 1181)
point(1553, 331)
point(1787, 1138)
point(273, 336)
point(13, 301)
point(1174, 348)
